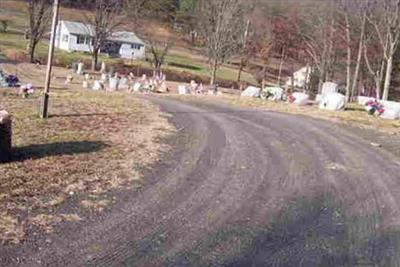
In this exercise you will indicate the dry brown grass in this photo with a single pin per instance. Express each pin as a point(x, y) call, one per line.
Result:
point(354, 115)
point(92, 143)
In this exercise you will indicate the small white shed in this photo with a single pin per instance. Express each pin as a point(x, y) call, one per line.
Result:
point(301, 77)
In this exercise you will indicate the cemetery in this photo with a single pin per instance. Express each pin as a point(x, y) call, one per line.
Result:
point(199, 133)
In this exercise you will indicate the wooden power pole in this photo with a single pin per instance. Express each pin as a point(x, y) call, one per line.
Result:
point(45, 100)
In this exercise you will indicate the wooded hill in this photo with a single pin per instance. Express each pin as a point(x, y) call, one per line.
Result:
point(354, 43)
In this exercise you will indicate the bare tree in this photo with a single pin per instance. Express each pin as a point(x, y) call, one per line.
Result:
point(137, 9)
point(262, 39)
point(318, 31)
point(158, 54)
point(245, 51)
point(385, 18)
point(354, 23)
point(107, 16)
point(360, 51)
point(221, 24)
point(39, 14)
point(375, 62)
point(265, 53)
point(349, 55)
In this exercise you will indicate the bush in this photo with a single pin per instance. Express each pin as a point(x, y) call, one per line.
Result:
point(15, 55)
point(4, 25)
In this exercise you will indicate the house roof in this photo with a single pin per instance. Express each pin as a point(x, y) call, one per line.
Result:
point(80, 28)
point(74, 27)
point(125, 37)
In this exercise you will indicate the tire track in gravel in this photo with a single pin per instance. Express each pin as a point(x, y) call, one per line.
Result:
point(252, 188)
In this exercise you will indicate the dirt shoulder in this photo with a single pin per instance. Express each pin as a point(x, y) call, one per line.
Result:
point(377, 132)
point(354, 115)
point(92, 143)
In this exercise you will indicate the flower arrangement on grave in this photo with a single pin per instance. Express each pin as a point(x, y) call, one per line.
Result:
point(374, 107)
point(27, 90)
point(291, 99)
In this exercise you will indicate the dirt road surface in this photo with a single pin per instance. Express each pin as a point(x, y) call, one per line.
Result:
point(243, 188)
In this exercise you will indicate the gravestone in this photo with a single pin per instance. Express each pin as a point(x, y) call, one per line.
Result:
point(5, 136)
point(98, 85)
point(113, 84)
point(123, 83)
point(333, 101)
point(300, 99)
point(183, 90)
point(251, 91)
point(103, 67)
point(79, 71)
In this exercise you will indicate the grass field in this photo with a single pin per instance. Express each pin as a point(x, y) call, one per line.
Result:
point(13, 46)
point(179, 59)
point(91, 143)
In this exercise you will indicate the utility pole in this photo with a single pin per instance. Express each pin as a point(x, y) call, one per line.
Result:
point(45, 100)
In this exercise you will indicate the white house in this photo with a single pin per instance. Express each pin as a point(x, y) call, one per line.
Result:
point(127, 45)
point(76, 36)
point(301, 77)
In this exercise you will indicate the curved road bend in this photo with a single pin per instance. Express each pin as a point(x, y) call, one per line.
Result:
point(249, 188)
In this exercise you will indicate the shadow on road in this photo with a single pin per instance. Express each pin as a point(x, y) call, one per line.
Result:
point(55, 149)
point(216, 112)
point(78, 115)
point(307, 233)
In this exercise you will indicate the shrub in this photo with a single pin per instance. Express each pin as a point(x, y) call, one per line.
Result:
point(15, 55)
point(4, 23)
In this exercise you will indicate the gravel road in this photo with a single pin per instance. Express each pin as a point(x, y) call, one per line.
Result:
point(245, 188)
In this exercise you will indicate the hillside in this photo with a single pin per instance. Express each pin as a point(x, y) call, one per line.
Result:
point(182, 57)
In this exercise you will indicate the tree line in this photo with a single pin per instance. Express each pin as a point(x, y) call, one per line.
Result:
point(354, 41)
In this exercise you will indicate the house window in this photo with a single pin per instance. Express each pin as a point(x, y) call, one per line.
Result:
point(65, 38)
point(80, 39)
point(88, 40)
point(136, 46)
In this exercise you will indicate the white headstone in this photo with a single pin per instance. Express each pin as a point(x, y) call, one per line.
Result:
point(183, 90)
point(80, 68)
point(300, 99)
point(163, 88)
point(69, 79)
point(333, 101)
point(104, 77)
point(4, 117)
point(113, 84)
point(276, 93)
point(363, 100)
point(137, 86)
point(103, 67)
point(123, 83)
point(328, 88)
point(390, 114)
point(251, 91)
point(319, 98)
point(392, 110)
point(98, 85)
